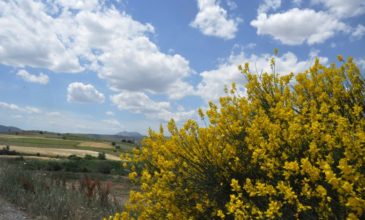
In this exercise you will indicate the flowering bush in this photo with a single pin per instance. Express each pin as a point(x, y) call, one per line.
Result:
point(291, 148)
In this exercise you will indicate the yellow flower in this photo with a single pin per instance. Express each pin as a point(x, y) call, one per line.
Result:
point(289, 144)
point(221, 214)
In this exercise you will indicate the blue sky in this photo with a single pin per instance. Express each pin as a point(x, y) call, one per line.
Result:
point(98, 66)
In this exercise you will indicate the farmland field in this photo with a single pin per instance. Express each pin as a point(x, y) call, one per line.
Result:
point(58, 152)
point(70, 159)
point(53, 146)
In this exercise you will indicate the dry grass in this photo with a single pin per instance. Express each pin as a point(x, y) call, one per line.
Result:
point(54, 152)
point(95, 144)
point(54, 197)
point(12, 136)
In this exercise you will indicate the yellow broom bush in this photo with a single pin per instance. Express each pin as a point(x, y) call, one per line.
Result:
point(293, 148)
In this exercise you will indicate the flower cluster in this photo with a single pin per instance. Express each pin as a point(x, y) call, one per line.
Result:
point(294, 147)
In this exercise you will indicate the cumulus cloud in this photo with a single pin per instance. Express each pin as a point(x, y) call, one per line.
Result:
point(138, 102)
point(83, 93)
point(41, 78)
point(292, 27)
point(120, 50)
point(232, 4)
point(213, 20)
point(72, 36)
point(358, 32)
point(269, 5)
point(78, 4)
point(339, 8)
point(31, 37)
point(213, 81)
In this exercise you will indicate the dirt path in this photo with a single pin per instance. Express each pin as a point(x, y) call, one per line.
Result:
point(9, 212)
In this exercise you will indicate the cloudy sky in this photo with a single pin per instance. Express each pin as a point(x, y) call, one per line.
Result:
point(99, 66)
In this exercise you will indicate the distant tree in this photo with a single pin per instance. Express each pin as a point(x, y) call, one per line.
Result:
point(101, 156)
point(74, 157)
point(88, 157)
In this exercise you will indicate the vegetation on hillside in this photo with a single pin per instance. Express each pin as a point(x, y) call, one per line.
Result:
point(294, 147)
point(50, 196)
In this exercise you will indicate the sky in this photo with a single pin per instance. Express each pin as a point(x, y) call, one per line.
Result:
point(103, 66)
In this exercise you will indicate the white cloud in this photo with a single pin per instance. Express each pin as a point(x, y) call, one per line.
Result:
point(78, 4)
point(297, 2)
point(54, 113)
point(32, 110)
point(9, 106)
point(292, 27)
point(17, 116)
point(36, 118)
point(213, 81)
point(212, 20)
point(25, 109)
point(71, 36)
point(361, 63)
point(358, 32)
point(31, 37)
point(83, 93)
point(343, 9)
point(125, 56)
point(61, 122)
point(251, 45)
point(138, 102)
point(232, 4)
point(41, 78)
point(109, 113)
point(113, 122)
point(269, 5)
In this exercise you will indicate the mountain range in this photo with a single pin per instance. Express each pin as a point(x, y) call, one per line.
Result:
point(9, 129)
point(123, 134)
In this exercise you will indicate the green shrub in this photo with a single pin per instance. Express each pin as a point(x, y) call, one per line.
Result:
point(101, 156)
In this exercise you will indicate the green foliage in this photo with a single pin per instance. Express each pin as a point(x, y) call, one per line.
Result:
point(6, 151)
point(77, 166)
point(101, 156)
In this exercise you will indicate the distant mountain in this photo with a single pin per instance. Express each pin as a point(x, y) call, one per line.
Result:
point(9, 129)
point(130, 134)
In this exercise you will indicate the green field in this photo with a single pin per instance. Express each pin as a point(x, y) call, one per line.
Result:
point(63, 142)
point(64, 161)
